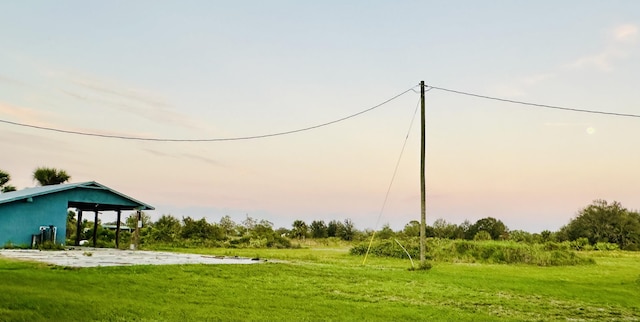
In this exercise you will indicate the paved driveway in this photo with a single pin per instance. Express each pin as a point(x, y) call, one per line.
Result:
point(94, 257)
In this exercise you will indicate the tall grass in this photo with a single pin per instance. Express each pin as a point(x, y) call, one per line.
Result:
point(495, 252)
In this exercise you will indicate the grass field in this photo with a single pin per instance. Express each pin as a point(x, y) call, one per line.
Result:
point(323, 284)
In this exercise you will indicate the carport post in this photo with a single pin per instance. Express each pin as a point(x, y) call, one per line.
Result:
point(118, 231)
point(138, 225)
point(95, 229)
point(78, 227)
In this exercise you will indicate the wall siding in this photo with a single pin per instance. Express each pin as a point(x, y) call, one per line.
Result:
point(21, 219)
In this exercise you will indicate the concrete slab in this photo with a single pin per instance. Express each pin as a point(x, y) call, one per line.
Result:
point(95, 257)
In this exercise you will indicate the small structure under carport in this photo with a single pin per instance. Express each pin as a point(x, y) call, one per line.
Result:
point(28, 212)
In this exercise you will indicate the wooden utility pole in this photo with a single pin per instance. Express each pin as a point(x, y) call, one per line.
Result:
point(423, 194)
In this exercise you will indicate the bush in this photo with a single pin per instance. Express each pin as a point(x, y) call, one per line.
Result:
point(482, 235)
point(606, 246)
point(498, 252)
point(580, 244)
point(556, 246)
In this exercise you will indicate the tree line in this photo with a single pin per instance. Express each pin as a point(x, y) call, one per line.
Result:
point(189, 232)
point(599, 222)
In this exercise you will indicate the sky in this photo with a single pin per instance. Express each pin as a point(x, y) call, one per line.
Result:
point(225, 69)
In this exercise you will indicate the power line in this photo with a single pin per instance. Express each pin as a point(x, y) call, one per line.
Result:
point(253, 137)
point(534, 104)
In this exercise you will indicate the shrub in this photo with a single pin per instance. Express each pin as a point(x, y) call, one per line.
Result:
point(581, 244)
point(498, 252)
point(482, 235)
point(606, 246)
point(556, 246)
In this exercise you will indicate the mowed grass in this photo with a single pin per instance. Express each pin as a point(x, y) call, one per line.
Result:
point(322, 284)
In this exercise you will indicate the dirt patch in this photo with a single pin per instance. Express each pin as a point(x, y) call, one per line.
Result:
point(95, 257)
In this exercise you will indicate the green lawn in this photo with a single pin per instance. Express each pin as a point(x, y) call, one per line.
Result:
point(322, 284)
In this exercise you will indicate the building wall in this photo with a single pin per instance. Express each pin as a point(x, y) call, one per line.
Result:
point(21, 219)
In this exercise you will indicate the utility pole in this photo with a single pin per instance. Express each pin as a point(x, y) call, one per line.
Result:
point(423, 194)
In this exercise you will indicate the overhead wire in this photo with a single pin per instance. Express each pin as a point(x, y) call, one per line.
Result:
point(534, 104)
point(252, 137)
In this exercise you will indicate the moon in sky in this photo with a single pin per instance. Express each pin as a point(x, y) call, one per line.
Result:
point(590, 130)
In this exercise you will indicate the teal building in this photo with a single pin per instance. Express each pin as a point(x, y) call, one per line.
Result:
point(41, 213)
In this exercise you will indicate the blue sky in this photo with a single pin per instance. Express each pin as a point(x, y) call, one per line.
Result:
point(211, 69)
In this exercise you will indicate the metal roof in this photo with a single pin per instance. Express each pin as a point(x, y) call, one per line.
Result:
point(26, 193)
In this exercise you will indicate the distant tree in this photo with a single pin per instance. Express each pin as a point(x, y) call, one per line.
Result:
point(443, 229)
point(282, 231)
point(132, 220)
point(335, 228)
point(263, 228)
point(386, 232)
point(248, 224)
point(166, 229)
point(50, 176)
point(318, 229)
point(546, 236)
point(605, 222)
point(521, 236)
point(348, 233)
point(562, 235)
point(412, 229)
point(299, 229)
point(464, 230)
point(229, 226)
point(4, 179)
point(494, 227)
point(200, 230)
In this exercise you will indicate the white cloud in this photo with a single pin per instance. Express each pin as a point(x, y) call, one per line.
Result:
point(603, 61)
point(34, 117)
point(625, 33)
point(23, 114)
point(146, 104)
point(621, 37)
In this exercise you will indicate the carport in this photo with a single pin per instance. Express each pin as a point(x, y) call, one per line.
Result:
point(26, 212)
point(97, 208)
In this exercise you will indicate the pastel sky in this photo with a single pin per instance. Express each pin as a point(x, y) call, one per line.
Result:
point(215, 69)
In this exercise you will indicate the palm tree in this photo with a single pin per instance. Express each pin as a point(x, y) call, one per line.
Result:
point(8, 188)
point(50, 176)
point(4, 178)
